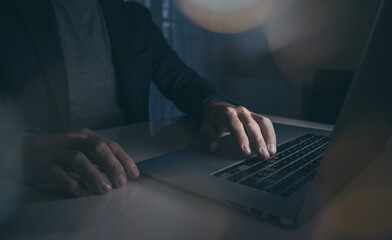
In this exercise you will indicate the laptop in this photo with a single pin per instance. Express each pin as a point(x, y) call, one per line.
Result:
point(312, 164)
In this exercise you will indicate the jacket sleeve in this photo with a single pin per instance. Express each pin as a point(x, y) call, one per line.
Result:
point(177, 81)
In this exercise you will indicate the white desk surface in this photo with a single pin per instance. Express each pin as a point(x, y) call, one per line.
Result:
point(148, 209)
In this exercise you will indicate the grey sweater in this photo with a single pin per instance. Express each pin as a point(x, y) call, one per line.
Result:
point(87, 53)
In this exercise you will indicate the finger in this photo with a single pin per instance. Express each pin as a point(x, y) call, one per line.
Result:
point(125, 160)
point(112, 159)
point(237, 129)
point(82, 166)
point(254, 133)
point(105, 158)
point(64, 181)
point(210, 134)
point(268, 132)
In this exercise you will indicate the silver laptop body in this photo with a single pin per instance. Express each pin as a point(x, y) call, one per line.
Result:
point(362, 130)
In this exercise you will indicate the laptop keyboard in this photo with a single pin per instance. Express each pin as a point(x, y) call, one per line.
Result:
point(294, 165)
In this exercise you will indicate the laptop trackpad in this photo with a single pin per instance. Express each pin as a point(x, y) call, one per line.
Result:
point(193, 159)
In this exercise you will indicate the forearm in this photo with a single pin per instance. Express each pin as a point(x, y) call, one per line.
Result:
point(177, 81)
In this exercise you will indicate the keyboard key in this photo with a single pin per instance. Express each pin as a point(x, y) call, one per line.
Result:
point(293, 178)
point(290, 143)
point(280, 174)
point(272, 169)
point(234, 171)
point(252, 161)
point(259, 166)
point(240, 175)
point(268, 182)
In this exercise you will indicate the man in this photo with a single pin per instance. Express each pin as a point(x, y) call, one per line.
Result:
point(71, 65)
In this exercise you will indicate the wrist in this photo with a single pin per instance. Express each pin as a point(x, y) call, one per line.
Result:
point(213, 103)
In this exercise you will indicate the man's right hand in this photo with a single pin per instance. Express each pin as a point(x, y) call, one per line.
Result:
point(52, 158)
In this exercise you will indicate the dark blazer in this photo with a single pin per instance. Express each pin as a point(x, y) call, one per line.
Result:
point(33, 74)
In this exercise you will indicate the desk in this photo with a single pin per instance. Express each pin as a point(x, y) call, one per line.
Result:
point(148, 209)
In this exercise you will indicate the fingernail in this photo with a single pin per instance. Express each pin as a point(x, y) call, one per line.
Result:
point(272, 147)
point(133, 171)
point(246, 148)
point(264, 152)
point(121, 180)
point(105, 187)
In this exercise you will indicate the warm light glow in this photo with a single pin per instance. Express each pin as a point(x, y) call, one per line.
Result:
point(362, 213)
point(226, 16)
point(303, 36)
point(218, 5)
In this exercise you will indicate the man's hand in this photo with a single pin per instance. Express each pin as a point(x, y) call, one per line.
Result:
point(52, 158)
point(248, 128)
